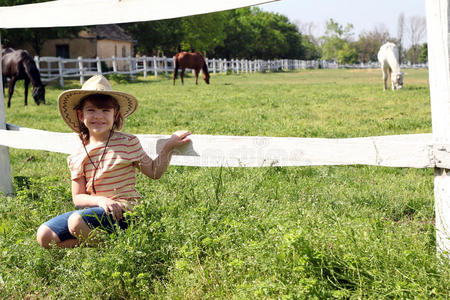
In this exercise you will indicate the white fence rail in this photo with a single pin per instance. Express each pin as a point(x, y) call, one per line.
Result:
point(411, 150)
point(57, 68)
point(369, 65)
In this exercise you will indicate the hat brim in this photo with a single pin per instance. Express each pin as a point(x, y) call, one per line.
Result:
point(71, 98)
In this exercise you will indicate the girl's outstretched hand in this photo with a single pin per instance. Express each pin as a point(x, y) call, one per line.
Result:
point(155, 168)
point(178, 138)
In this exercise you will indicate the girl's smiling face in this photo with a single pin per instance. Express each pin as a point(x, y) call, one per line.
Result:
point(99, 121)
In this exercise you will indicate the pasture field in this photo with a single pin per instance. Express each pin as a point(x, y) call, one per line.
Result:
point(328, 232)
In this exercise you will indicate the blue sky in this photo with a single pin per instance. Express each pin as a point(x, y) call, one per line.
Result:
point(363, 14)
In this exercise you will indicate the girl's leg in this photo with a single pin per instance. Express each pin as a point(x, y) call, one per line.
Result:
point(78, 227)
point(56, 231)
point(65, 230)
point(45, 236)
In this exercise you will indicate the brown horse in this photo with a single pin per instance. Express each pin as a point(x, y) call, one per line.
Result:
point(193, 61)
point(19, 65)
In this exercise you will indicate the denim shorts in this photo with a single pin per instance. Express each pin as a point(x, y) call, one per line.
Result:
point(95, 217)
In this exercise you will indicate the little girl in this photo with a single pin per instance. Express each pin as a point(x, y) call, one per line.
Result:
point(103, 169)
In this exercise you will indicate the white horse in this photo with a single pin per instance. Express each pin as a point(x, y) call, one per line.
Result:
point(388, 58)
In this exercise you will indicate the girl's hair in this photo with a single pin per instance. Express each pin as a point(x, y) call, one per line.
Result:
point(99, 101)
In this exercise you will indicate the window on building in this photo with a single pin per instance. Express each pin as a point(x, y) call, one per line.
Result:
point(62, 51)
point(124, 51)
point(115, 50)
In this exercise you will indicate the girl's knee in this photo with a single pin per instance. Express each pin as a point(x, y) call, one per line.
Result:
point(45, 236)
point(74, 222)
point(77, 225)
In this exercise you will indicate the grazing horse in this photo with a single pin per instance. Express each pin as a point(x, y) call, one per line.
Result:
point(18, 65)
point(193, 61)
point(388, 58)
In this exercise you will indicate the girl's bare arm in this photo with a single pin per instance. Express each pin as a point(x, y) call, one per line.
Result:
point(156, 168)
point(82, 199)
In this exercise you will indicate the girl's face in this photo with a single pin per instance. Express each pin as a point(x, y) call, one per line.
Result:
point(99, 121)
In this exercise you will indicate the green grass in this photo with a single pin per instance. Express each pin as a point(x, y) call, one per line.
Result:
point(330, 232)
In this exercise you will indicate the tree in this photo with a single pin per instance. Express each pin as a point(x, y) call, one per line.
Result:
point(253, 33)
point(335, 38)
point(348, 54)
point(310, 42)
point(423, 57)
point(241, 33)
point(418, 54)
point(156, 37)
point(369, 43)
point(276, 37)
point(311, 51)
point(204, 32)
point(307, 29)
point(400, 32)
point(416, 31)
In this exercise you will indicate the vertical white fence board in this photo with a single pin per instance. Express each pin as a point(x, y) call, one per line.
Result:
point(60, 71)
point(439, 68)
point(6, 186)
point(80, 67)
point(442, 208)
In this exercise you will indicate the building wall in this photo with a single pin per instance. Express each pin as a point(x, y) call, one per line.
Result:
point(91, 48)
point(77, 47)
point(110, 48)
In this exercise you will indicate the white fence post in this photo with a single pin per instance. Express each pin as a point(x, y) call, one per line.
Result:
point(438, 16)
point(99, 65)
point(49, 68)
point(6, 186)
point(130, 59)
point(37, 60)
point(61, 71)
point(166, 70)
point(155, 66)
point(80, 67)
point(114, 63)
point(144, 61)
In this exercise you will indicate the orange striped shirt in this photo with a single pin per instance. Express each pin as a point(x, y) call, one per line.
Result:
point(115, 177)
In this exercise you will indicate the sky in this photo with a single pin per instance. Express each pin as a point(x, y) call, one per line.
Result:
point(363, 14)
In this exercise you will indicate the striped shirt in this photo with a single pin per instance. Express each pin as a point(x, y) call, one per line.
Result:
point(115, 177)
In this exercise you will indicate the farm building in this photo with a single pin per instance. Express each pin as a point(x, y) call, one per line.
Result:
point(103, 41)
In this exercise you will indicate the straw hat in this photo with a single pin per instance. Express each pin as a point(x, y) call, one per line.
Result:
point(97, 84)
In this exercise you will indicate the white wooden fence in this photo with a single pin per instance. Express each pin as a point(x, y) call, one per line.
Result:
point(369, 65)
point(395, 151)
point(57, 68)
